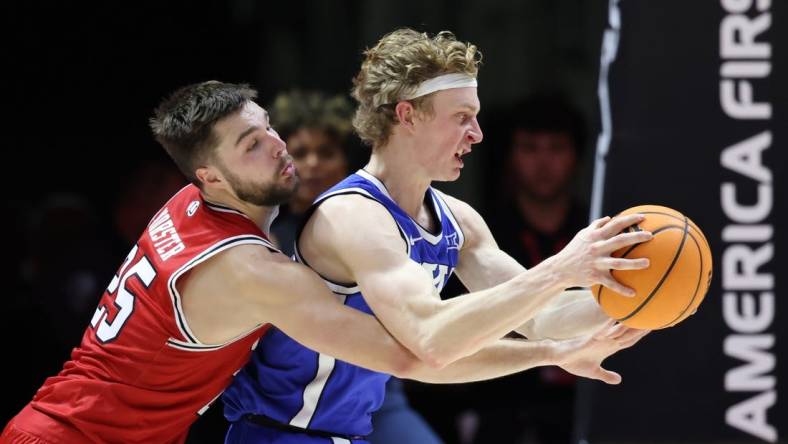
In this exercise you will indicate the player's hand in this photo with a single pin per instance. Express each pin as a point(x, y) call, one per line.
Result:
point(583, 356)
point(586, 260)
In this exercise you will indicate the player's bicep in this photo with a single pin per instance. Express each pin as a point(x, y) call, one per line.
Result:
point(298, 302)
point(398, 290)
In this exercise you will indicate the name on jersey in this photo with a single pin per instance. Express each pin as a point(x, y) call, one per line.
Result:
point(164, 236)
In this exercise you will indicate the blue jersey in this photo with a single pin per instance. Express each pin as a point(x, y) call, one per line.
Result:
point(297, 386)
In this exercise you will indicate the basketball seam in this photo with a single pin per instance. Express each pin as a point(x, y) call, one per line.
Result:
point(688, 220)
point(623, 256)
point(702, 237)
point(630, 229)
point(697, 286)
point(664, 276)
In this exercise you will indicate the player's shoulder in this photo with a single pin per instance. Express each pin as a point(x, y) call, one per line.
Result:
point(240, 262)
point(350, 219)
point(351, 210)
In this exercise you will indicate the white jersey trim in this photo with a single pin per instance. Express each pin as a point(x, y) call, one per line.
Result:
point(342, 289)
point(357, 190)
point(451, 218)
point(313, 390)
point(218, 247)
point(375, 181)
point(433, 239)
point(222, 209)
point(188, 346)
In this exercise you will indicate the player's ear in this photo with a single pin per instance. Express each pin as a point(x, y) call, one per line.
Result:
point(405, 113)
point(208, 175)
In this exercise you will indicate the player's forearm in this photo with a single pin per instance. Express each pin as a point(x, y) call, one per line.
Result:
point(573, 313)
point(504, 357)
point(462, 326)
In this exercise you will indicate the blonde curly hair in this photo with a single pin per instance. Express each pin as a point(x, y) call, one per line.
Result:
point(394, 67)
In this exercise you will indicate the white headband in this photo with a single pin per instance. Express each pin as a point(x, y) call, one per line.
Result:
point(446, 81)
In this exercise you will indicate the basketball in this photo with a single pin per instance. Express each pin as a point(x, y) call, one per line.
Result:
point(676, 281)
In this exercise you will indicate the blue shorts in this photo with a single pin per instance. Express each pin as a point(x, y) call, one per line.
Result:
point(244, 432)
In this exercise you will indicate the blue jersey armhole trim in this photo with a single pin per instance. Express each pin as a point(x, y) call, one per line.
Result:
point(311, 211)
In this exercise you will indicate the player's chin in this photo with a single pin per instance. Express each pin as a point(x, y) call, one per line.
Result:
point(290, 183)
point(448, 174)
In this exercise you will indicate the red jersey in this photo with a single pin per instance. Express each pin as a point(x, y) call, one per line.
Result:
point(140, 374)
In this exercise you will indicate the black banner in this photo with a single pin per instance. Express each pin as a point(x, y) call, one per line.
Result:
point(693, 100)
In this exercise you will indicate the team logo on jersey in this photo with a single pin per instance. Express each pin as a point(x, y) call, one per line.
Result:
point(438, 272)
point(192, 208)
point(452, 242)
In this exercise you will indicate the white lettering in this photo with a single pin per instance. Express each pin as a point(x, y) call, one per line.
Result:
point(746, 213)
point(738, 33)
point(747, 233)
point(748, 320)
point(163, 235)
point(172, 252)
point(750, 416)
point(753, 350)
point(749, 300)
point(742, 105)
point(746, 70)
point(745, 157)
point(159, 219)
point(740, 268)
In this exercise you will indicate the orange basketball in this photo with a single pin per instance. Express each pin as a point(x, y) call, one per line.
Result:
point(673, 285)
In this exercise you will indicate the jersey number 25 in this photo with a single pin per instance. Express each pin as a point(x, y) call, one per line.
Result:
point(124, 299)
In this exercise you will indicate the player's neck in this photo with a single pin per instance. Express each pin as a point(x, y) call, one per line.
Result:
point(405, 182)
point(262, 216)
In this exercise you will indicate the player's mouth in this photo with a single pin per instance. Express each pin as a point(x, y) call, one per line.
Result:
point(459, 155)
point(288, 170)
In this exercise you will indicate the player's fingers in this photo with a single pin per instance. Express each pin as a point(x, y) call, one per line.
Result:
point(618, 223)
point(600, 222)
point(603, 330)
point(621, 332)
point(622, 240)
point(607, 376)
point(610, 282)
point(616, 331)
point(615, 263)
point(632, 338)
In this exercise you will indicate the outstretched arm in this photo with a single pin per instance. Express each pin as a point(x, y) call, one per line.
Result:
point(359, 239)
point(580, 356)
point(483, 264)
point(247, 286)
point(257, 287)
